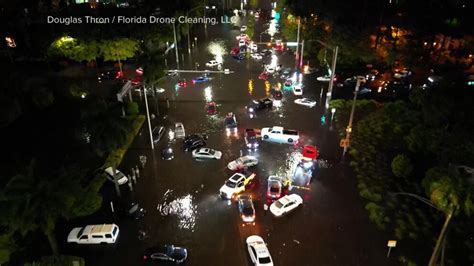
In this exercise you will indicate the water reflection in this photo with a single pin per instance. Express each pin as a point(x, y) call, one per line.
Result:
point(208, 94)
point(267, 87)
point(250, 86)
point(183, 208)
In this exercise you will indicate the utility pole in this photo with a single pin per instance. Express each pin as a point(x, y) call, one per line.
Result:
point(189, 42)
point(148, 117)
point(333, 73)
point(351, 118)
point(175, 46)
point(302, 53)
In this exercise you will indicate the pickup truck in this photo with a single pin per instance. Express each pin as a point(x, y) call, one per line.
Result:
point(279, 134)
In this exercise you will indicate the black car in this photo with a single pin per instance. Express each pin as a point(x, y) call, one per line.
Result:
point(230, 122)
point(157, 133)
point(167, 153)
point(166, 253)
point(194, 141)
point(246, 208)
point(251, 138)
point(131, 210)
point(276, 94)
point(257, 105)
point(108, 75)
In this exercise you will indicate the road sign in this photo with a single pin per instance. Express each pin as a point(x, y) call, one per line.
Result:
point(391, 244)
point(344, 143)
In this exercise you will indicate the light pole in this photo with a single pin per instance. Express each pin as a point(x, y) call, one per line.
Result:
point(176, 46)
point(333, 73)
point(148, 117)
point(349, 126)
point(298, 39)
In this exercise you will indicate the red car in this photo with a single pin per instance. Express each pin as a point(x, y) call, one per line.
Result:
point(264, 75)
point(211, 108)
point(182, 83)
point(137, 80)
point(310, 153)
point(234, 51)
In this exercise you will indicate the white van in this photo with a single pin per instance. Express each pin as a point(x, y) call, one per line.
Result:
point(94, 234)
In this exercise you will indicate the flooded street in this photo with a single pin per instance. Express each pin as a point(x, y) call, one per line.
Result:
point(181, 196)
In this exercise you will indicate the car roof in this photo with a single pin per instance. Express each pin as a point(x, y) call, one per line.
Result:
point(236, 177)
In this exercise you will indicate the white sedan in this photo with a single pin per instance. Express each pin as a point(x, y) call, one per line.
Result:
point(256, 56)
point(243, 28)
point(242, 43)
point(253, 47)
point(270, 69)
point(285, 204)
point(258, 251)
point(207, 153)
point(212, 63)
point(297, 90)
point(242, 162)
point(306, 102)
point(119, 176)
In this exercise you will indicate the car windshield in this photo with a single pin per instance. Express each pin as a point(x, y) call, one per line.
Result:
point(80, 232)
point(212, 152)
point(133, 208)
point(230, 184)
point(278, 204)
point(274, 187)
point(247, 210)
point(264, 260)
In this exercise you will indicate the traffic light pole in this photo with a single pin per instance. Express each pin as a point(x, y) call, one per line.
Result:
point(351, 118)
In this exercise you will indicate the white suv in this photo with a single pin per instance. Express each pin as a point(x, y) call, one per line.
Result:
point(94, 234)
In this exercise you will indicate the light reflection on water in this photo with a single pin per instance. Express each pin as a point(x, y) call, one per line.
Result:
point(182, 208)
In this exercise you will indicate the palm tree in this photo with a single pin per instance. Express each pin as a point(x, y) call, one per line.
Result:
point(34, 200)
point(448, 191)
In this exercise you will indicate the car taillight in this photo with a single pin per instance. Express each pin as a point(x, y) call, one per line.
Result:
point(145, 257)
point(242, 216)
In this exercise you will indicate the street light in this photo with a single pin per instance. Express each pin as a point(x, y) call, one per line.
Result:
point(349, 126)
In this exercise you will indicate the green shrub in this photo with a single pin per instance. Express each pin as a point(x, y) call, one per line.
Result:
point(132, 108)
point(61, 260)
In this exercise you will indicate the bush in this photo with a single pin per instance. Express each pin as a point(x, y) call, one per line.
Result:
point(61, 260)
point(132, 108)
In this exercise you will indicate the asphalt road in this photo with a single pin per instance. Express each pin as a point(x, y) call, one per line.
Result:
point(181, 195)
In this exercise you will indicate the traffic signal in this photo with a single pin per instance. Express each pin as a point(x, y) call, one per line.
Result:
point(323, 120)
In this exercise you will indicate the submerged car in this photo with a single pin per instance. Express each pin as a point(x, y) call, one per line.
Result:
point(131, 210)
point(306, 102)
point(230, 123)
point(179, 132)
point(119, 176)
point(250, 137)
point(167, 154)
point(211, 108)
point(257, 105)
point(242, 162)
point(166, 253)
point(157, 133)
point(212, 63)
point(274, 187)
point(201, 79)
point(206, 153)
point(286, 204)
point(258, 251)
point(194, 141)
point(246, 208)
point(235, 185)
point(298, 90)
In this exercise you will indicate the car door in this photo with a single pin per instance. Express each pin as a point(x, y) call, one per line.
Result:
point(84, 239)
point(240, 186)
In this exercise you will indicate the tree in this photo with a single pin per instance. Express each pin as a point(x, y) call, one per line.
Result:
point(452, 195)
point(118, 49)
point(36, 198)
point(401, 166)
